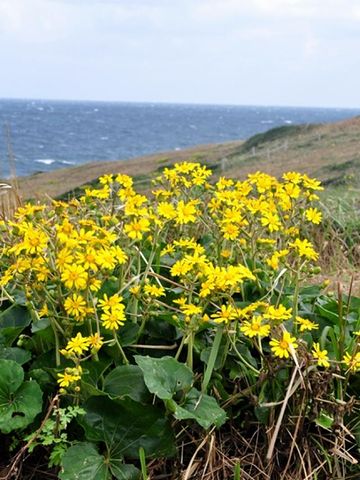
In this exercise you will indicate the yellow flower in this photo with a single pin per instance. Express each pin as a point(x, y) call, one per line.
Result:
point(282, 348)
point(64, 258)
point(74, 276)
point(35, 240)
point(166, 210)
point(66, 379)
point(154, 290)
point(313, 215)
point(230, 231)
point(135, 290)
point(320, 355)
point(88, 259)
point(271, 220)
point(255, 327)
point(110, 302)
point(225, 315)
point(114, 318)
point(76, 306)
point(137, 228)
point(95, 342)
point(306, 324)
point(352, 361)
point(278, 313)
point(180, 268)
point(304, 249)
point(78, 345)
point(190, 309)
point(186, 212)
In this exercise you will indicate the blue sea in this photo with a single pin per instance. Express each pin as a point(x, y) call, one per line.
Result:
point(46, 135)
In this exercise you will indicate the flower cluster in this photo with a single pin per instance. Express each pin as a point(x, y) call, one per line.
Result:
point(214, 255)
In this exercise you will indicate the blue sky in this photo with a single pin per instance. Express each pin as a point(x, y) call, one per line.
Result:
point(246, 52)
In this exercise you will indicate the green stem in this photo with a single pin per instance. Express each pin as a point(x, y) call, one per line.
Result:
point(126, 361)
point(212, 359)
point(143, 464)
point(190, 350)
point(57, 343)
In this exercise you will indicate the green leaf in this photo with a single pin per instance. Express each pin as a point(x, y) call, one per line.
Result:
point(202, 408)
point(324, 420)
point(83, 462)
point(17, 354)
point(40, 325)
point(13, 320)
point(20, 401)
point(127, 426)
point(123, 471)
point(126, 381)
point(164, 376)
point(15, 317)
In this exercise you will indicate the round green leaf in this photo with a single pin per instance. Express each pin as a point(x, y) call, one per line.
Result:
point(125, 426)
point(20, 401)
point(126, 381)
point(164, 376)
point(83, 462)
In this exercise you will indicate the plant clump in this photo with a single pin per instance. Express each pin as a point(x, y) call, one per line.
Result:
point(177, 333)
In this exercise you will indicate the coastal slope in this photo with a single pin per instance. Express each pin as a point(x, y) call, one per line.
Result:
point(329, 152)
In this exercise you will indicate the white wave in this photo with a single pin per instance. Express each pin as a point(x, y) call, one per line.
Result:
point(288, 121)
point(67, 162)
point(104, 138)
point(266, 121)
point(177, 149)
point(45, 161)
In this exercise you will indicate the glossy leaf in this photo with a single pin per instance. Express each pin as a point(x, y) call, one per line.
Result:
point(128, 425)
point(164, 376)
point(83, 462)
point(202, 408)
point(126, 381)
point(20, 401)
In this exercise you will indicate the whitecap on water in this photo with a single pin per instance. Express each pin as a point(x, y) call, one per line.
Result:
point(45, 161)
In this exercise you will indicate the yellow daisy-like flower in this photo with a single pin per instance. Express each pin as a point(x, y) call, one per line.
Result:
point(313, 215)
point(278, 313)
point(320, 355)
point(137, 228)
point(230, 231)
point(78, 345)
point(225, 315)
point(271, 221)
point(76, 306)
point(110, 302)
point(166, 210)
point(306, 324)
point(66, 379)
point(255, 327)
point(352, 362)
point(74, 276)
point(190, 309)
point(95, 342)
point(282, 348)
point(154, 291)
point(113, 319)
point(186, 212)
point(304, 248)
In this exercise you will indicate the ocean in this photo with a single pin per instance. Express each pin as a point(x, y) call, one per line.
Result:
point(46, 135)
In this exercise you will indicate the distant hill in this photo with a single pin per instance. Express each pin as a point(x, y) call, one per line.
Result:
point(329, 152)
